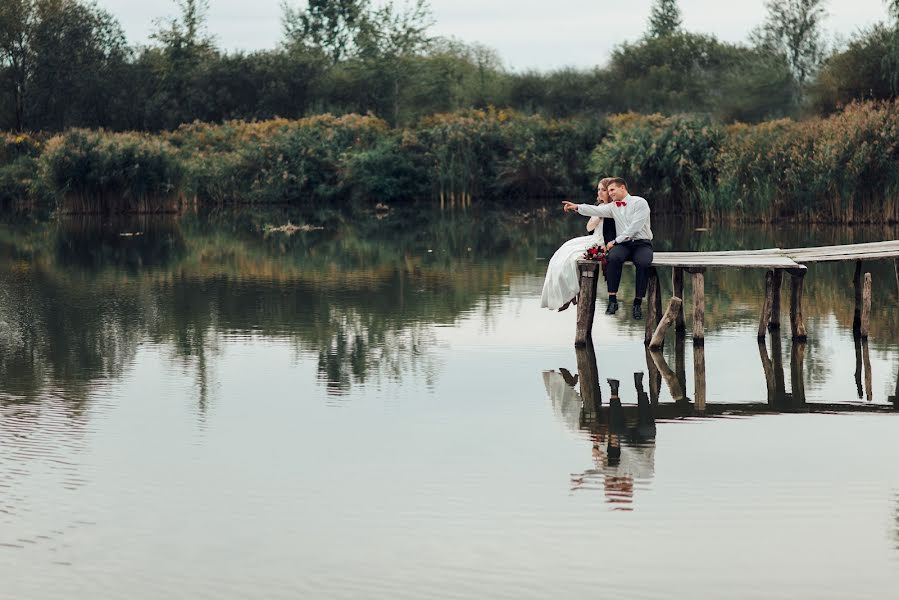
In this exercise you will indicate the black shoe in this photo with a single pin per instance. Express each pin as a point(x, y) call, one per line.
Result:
point(612, 308)
point(638, 312)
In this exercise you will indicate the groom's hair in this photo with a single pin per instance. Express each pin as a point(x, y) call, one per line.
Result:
point(618, 181)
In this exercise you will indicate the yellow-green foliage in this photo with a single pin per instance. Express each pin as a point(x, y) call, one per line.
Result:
point(18, 166)
point(116, 172)
point(843, 168)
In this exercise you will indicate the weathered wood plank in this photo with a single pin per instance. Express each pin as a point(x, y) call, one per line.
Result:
point(866, 359)
point(865, 326)
point(677, 287)
point(658, 336)
point(698, 308)
point(765, 317)
point(586, 302)
point(797, 322)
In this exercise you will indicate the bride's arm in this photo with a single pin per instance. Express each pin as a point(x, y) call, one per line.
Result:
point(593, 223)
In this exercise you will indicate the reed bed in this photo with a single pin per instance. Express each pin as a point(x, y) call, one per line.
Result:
point(842, 169)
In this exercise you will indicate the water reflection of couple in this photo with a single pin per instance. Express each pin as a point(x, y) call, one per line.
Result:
point(619, 223)
point(621, 454)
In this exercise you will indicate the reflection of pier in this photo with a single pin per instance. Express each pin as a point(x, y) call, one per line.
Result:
point(775, 261)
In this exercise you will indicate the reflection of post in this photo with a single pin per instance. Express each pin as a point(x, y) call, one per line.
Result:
point(797, 374)
point(646, 425)
point(857, 287)
point(680, 367)
point(699, 378)
point(858, 367)
point(655, 378)
point(589, 378)
point(677, 392)
point(780, 385)
point(617, 425)
point(866, 359)
point(895, 398)
point(768, 368)
point(586, 304)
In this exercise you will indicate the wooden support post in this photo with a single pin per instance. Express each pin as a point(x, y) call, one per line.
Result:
point(797, 323)
point(797, 374)
point(865, 326)
point(698, 306)
point(591, 396)
point(677, 289)
point(677, 392)
point(857, 287)
point(776, 282)
point(653, 300)
point(658, 337)
point(586, 302)
point(699, 378)
point(767, 305)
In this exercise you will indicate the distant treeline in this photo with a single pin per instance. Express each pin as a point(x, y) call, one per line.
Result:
point(66, 64)
point(840, 168)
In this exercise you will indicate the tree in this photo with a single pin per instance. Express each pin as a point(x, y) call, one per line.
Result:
point(891, 58)
point(332, 26)
point(665, 18)
point(793, 28)
point(856, 73)
point(17, 19)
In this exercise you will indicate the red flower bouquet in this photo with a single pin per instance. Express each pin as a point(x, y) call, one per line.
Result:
point(598, 253)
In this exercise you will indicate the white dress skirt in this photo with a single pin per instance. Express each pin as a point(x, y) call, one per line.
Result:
point(561, 283)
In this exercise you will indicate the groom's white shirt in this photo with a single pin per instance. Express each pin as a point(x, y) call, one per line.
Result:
point(631, 217)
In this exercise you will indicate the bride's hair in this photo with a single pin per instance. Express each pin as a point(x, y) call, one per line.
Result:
point(604, 183)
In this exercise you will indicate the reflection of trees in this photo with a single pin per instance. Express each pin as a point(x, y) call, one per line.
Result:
point(76, 297)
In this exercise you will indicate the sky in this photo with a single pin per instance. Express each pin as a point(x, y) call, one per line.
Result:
point(527, 34)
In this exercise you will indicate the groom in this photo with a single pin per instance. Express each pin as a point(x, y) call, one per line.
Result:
point(634, 241)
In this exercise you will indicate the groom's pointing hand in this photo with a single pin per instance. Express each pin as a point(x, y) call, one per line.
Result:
point(569, 206)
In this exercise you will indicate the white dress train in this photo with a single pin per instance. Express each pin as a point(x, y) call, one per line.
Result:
point(561, 283)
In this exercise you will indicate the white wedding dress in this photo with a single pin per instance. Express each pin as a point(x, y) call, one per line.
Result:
point(561, 283)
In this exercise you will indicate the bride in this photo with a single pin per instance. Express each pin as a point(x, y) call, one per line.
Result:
point(561, 286)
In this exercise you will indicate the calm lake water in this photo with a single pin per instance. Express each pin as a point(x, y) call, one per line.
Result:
point(195, 408)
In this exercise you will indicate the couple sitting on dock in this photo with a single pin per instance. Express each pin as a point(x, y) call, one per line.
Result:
point(619, 223)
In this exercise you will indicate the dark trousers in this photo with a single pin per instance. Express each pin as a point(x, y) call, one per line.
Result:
point(638, 252)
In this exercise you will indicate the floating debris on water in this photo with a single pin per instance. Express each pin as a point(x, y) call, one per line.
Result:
point(291, 229)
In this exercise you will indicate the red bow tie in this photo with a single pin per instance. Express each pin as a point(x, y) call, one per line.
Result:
point(620, 203)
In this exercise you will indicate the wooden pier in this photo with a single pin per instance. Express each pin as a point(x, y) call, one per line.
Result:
point(774, 261)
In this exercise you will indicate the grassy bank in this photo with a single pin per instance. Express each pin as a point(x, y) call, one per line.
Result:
point(843, 168)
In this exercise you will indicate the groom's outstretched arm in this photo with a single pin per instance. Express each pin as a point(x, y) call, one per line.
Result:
point(589, 210)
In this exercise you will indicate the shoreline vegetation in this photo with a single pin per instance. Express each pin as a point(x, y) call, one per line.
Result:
point(360, 104)
point(842, 168)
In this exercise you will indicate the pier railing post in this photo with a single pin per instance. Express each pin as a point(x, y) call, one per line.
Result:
point(677, 287)
point(698, 306)
point(797, 322)
point(797, 374)
point(591, 396)
point(766, 305)
point(588, 271)
point(865, 321)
